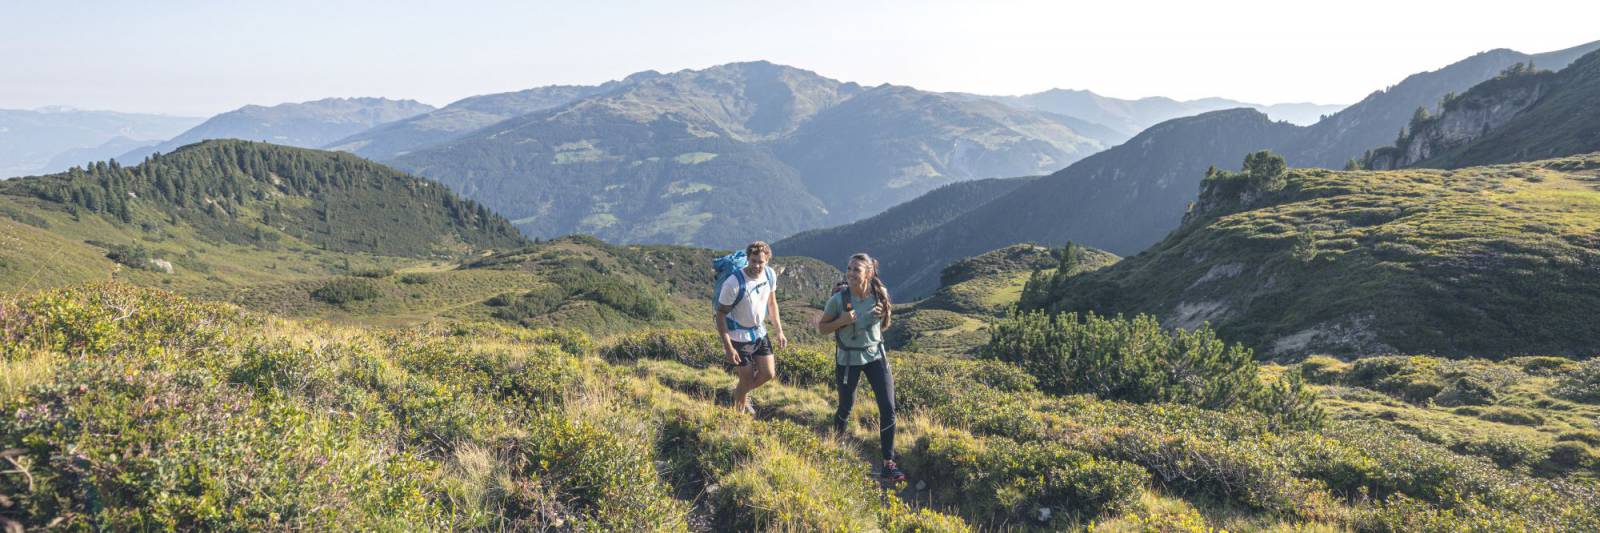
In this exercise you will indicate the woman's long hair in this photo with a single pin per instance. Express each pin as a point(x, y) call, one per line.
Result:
point(876, 286)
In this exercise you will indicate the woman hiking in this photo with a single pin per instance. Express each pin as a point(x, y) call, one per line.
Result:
point(859, 340)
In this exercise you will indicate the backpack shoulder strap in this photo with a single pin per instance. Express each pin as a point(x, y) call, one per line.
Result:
point(738, 278)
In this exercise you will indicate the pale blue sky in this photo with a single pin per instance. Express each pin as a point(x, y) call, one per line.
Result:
point(203, 57)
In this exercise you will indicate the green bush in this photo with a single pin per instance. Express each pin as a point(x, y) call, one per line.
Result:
point(580, 282)
point(1506, 452)
point(1288, 404)
point(1125, 359)
point(1543, 365)
point(1571, 455)
point(696, 348)
point(804, 366)
point(374, 273)
point(1411, 378)
point(997, 480)
point(1323, 370)
point(345, 290)
point(1511, 415)
point(416, 279)
point(1467, 390)
point(923, 381)
point(133, 255)
point(1582, 384)
point(1586, 436)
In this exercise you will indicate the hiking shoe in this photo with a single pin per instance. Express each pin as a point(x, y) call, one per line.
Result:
point(892, 472)
point(749, 409)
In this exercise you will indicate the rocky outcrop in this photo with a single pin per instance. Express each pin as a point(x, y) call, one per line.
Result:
point(1464, 119)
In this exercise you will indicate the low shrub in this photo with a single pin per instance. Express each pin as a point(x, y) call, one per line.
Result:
point(415, 279)
point(132, 255)
point(923, 381)
point(1570, 455)
point(1543, 365)
point(804, 366)
point(374, 273)
point(1582, 384)
point(1411, 378)
point(1466, 390)
point(1506, 452)
point(340, 291)
point(1511, 415)
point(997, 480)
point(1125, 359)
point(1586, 436)
point(1288, 404)
point(696, 348)
point(1323, 370)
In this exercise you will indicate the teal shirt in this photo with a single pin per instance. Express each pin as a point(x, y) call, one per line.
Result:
point(866, 333)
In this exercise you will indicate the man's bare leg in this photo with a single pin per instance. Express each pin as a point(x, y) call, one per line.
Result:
point(746, 384)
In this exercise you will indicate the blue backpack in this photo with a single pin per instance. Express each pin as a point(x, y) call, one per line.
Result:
point(732, 265)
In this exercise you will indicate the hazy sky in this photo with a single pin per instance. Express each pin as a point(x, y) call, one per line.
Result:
point(203, 57)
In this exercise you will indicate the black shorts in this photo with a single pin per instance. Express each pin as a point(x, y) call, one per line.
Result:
point(749, 350)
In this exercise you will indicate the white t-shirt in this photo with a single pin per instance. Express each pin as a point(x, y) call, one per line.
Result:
point(752, 311)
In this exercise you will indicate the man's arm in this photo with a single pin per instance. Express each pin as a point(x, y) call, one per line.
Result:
point(720, 316)
point(777, 321)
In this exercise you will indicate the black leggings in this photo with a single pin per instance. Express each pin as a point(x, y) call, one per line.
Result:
point(845, 379)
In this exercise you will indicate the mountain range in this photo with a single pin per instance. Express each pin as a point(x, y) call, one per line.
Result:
point(1130, 117)
point(39, 141)
point(305, 124)
point(737, 152)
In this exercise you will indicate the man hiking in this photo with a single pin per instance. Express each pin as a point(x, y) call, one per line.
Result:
point(745, 300)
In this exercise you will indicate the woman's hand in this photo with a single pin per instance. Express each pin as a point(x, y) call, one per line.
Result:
point(733, 355)
point(878, 311)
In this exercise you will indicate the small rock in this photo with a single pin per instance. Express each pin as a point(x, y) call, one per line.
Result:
point(922, 485)
point(1044, 514)
point(161, 265)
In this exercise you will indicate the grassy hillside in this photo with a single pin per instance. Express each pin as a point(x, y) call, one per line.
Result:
point(114, 420)
point(1483, 261)
point(223, 218)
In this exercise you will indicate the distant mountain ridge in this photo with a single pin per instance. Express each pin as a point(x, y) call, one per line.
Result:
point(464, 116)
point(303, 125)
point(1133, 116)
point(723, 155)
point(38, 141)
